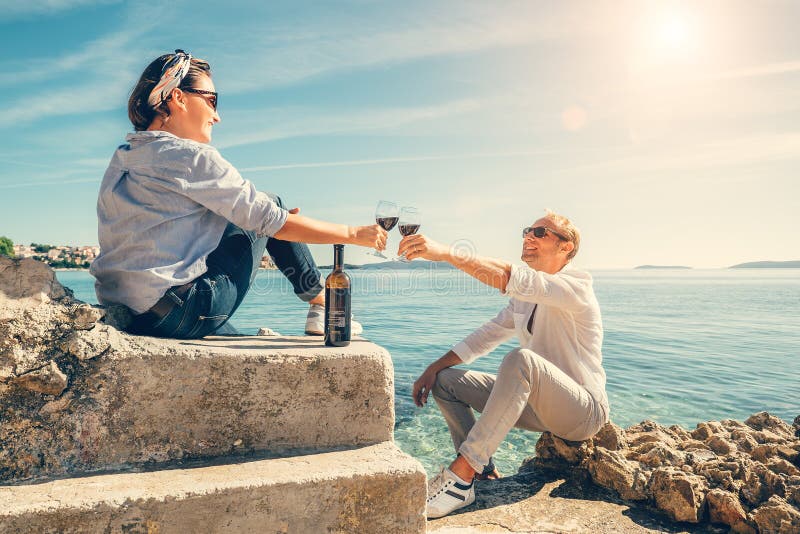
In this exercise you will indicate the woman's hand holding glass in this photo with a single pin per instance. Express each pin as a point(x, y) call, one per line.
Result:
point(372, 236)
point(386, 215)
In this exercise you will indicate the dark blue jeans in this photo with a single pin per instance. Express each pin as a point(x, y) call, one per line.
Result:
point(214, 297)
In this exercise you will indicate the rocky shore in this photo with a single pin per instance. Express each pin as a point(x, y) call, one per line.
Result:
point(723, 476)
point(731, 475)
point(743, 475)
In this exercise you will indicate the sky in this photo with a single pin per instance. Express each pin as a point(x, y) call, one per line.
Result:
point(669, 132)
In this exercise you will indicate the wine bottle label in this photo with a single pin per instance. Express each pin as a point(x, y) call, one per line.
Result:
point(337, 315)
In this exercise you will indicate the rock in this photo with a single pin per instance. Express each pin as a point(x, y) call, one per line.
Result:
point(264, 331)
point(650, 431)
point(778, 516)
point(744, 441)
point(28, 282)
point(553, 452)
point(610, 437)
point(694, 445)
point(706, 430)
point(724, 507)
point(662, 455)
point(719, 445)
point(796, 426)
point(681, 433)
point(699, 456)
point(88, 344)
point(84, 316)
point(783, 467)
point(720, 473)
point(768, 436)
point(48, 380)
point(760, 483)
point(118, 317)
point(611, 470)
point(793, 495)
point(765, 421)
point(678, 494)
point(743, 528)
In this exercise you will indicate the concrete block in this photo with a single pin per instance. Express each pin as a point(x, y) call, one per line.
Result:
point(152, 401)
point(370, 489)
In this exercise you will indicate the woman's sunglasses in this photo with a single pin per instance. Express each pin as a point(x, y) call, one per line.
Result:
point(540, 232)
point(212, 99)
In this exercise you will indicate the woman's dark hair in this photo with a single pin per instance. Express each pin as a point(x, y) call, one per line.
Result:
point(140, 112)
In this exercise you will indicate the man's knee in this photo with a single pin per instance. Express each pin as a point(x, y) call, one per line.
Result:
point(524, 361)
point(443, 387)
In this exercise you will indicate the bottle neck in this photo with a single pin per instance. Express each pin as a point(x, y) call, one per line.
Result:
point(338, 257)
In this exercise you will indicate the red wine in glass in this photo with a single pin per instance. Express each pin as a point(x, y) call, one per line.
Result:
point(410, 221)
point(408, 229)
point(386, 215)
point(387, 223)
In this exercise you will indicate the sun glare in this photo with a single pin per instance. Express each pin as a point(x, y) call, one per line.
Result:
point(674, 32)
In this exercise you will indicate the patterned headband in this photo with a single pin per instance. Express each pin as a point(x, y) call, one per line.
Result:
point(171, 76)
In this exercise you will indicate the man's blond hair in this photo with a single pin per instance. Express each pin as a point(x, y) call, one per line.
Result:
point(565, 227)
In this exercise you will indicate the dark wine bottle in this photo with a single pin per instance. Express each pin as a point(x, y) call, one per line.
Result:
point(337, 302)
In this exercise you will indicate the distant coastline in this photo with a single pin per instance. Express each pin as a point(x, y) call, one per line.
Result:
point(767, 265)
point(662, 267)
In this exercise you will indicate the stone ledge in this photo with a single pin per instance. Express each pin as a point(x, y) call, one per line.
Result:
point(372, 489)
point(155, 400)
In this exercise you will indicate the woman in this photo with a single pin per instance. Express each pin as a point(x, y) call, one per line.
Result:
point(181, 232)
point(553, 381)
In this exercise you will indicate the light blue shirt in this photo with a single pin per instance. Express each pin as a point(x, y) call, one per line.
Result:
point(164, 203)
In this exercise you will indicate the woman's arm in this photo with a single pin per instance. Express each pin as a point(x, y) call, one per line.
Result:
point(307, 230)
point(490, 271)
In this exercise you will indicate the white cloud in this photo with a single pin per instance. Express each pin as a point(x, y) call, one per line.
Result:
point(14, 8)
point(642, 161)
point(333, 42)
point(299, 122)
point(769, 69)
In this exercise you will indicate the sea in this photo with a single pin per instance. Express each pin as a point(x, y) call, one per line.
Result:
point(681, 346)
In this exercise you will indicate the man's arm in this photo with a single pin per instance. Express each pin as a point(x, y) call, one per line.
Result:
point(492, 272)
point(423, 385)
point(480, 342)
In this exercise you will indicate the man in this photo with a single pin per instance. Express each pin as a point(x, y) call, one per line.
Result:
point(553, 382)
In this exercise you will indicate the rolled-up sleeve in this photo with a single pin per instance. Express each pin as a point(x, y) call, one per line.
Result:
point(487, 337)
point(217, 185)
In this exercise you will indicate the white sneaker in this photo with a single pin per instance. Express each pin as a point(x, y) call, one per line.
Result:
point(315, 322)
point(447, 492)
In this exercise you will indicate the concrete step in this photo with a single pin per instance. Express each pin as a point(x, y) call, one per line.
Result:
point(150, 401)
point(376, 489)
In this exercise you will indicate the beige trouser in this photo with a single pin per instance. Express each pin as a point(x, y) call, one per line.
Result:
point(529, 392)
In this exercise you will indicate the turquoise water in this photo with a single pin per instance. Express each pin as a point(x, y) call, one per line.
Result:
point(680, 346)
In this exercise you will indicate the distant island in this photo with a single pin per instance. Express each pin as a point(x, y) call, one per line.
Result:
point(662, 267)
point(767, 265)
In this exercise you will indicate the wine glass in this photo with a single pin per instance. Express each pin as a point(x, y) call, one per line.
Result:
point(386, 216)
point(410, 221)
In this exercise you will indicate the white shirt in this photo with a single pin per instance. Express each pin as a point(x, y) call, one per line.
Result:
point(567, 327)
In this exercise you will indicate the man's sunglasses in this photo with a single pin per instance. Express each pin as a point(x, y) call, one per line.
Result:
point(211, 100)
point(540, 232)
